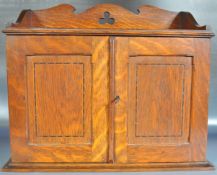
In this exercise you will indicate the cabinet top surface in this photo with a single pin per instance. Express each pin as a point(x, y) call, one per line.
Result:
point(107, 19)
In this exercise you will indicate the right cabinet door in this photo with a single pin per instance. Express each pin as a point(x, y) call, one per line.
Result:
point(154, 80)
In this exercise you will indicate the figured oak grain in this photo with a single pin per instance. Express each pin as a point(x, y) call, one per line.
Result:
point(59, 90)
point(59, 96)
point(107, 89)
point(159, 116)
point(106, 16)
point(162, 116)
point(155, 148)
point(59, 149)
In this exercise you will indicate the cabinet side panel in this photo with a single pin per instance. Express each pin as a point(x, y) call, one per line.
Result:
point(200, 93)
point(16, 95)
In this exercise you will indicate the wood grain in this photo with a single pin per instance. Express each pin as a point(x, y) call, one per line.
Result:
point(57, 149)
point(148, 17)
point(164, 103)
point(59, 93)
point(158, 46)
point(107, 90)
point(108, 32)
point(121, 89)
point(200, 93)
point(50, 98)
point(112, 101)
point(70, 167)
point(155, 149)
point(160, 116)
point(100, 99)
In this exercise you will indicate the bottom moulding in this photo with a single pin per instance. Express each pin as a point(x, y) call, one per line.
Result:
point(105, 167)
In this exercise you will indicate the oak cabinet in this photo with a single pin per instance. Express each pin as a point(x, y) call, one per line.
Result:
point(104, 92)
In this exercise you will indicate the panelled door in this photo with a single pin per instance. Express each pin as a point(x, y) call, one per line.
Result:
point(153, 78)
point(65, 116)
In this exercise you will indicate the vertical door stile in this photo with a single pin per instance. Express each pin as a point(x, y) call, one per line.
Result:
point(100, 98)
point(121, 89)
point(111, 98)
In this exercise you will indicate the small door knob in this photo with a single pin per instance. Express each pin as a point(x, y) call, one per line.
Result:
point(116, 99)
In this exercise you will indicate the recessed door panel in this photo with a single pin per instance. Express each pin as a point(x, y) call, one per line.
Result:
point(57, 85)
point(159, 111)
point(159, 99)
point(59, 93)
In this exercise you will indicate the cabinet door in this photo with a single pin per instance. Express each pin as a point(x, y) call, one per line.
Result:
point(58, 96)
point(153, 120)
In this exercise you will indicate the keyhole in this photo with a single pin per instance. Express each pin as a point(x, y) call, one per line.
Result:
point(116, 99)
point(106, 19)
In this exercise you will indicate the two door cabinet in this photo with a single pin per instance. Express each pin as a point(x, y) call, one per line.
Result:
point(107, 90)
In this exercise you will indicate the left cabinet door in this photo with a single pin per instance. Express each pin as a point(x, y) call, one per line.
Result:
point(58, 98)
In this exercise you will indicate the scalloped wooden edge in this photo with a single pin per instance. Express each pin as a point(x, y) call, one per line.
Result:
point(63, 16)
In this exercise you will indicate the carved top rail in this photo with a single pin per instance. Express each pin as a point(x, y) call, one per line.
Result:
point(105, 16)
